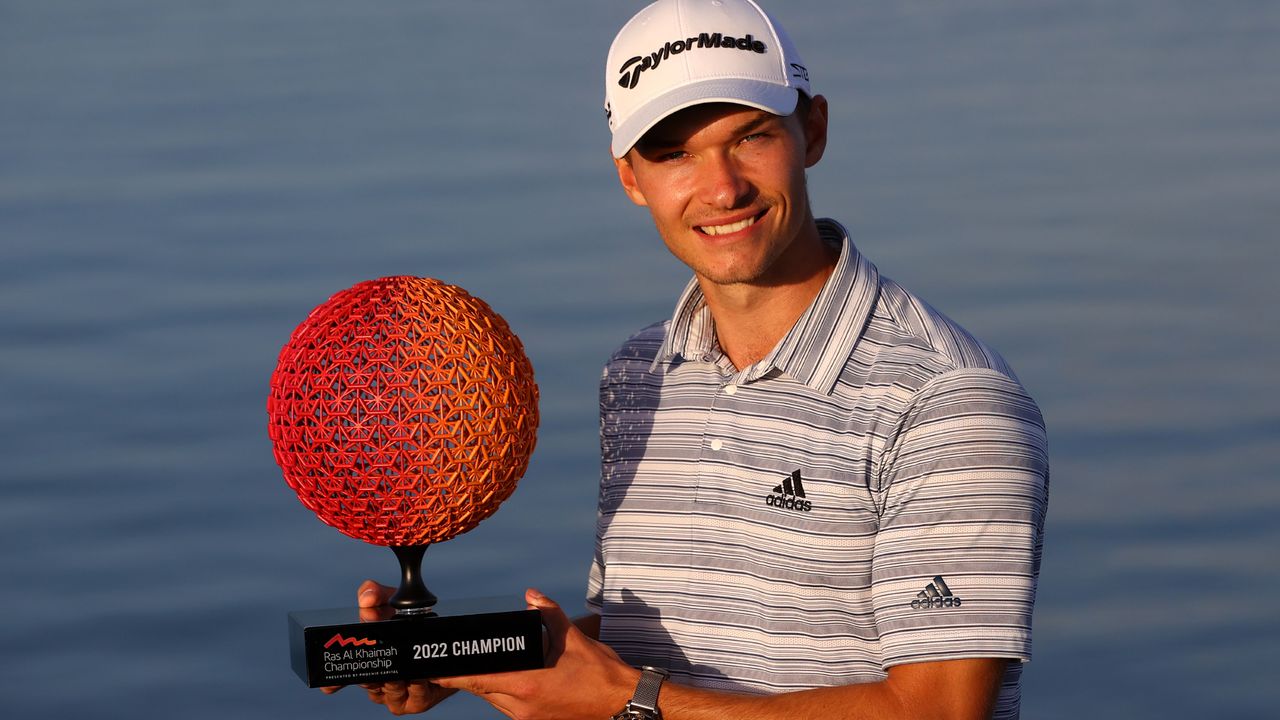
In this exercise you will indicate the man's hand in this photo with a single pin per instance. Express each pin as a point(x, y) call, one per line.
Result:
point(401, 698)
point(582, 678)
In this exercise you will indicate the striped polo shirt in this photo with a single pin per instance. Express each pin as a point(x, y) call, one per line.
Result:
point(871, 493)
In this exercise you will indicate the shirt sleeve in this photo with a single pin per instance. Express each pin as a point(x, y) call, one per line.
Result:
point(964, 480)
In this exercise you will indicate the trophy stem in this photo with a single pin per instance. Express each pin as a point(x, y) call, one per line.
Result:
point(413, 595)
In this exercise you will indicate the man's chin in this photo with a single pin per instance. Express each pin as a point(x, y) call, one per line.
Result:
point(730, 276)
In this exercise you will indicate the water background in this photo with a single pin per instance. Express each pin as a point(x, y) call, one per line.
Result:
point(1090, 186)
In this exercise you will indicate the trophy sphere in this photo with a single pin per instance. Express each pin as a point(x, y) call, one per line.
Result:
point(403, 411)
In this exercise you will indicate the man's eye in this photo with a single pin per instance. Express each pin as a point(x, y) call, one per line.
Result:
point(672, 156)
point(753, 137)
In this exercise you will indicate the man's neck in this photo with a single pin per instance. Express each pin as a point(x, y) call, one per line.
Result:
point(752, 318)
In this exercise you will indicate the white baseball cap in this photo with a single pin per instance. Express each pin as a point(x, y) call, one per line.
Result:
point(677, 53)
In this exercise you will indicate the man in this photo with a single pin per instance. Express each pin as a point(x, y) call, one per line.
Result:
point(819, 496)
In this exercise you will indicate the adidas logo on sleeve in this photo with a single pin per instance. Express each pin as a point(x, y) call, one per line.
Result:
point(935, 595)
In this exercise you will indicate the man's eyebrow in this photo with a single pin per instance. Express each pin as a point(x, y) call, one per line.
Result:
point(651, 142)
point(654, 141)
point(754, 123)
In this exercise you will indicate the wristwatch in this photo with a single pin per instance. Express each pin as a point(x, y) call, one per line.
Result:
point(644, 704)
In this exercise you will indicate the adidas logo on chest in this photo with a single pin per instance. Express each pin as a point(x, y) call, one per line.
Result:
point(789, 495)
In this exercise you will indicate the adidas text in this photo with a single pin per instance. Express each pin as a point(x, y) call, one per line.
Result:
point(788, 503)
point(935, 595)
point(631, 70)
point(790, 495)
point(934, 603)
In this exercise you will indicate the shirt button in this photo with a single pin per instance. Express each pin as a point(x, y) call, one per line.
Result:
point(706, 357)
point(717, 444)
point(730, 389)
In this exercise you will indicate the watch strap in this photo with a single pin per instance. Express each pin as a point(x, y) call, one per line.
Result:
point(646, 696)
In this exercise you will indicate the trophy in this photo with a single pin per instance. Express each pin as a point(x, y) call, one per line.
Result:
point(402, 412)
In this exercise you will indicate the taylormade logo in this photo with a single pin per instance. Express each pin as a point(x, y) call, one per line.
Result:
point(632, 68)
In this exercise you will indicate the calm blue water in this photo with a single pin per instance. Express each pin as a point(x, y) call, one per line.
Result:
point(1088, 185)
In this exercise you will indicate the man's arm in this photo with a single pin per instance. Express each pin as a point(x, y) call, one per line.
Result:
point(949, 689)
point(586, 679)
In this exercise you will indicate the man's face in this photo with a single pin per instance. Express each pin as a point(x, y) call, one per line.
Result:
point(725, 185)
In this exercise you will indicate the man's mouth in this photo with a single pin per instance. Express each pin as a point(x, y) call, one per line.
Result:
point(730, 227)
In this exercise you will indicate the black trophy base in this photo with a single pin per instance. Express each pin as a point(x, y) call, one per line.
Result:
point(336, 647)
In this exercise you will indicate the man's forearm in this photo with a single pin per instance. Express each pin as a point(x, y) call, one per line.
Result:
point(865, 702)
point(949, 690)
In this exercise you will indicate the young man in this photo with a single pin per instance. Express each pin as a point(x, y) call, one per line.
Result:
point(819, 496)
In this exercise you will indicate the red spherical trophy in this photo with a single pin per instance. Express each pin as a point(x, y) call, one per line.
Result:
point(403, 411)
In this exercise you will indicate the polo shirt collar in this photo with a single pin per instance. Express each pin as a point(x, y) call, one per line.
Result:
point(816, 348)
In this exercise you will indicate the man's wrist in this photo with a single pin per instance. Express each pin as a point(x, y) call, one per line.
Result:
point(643, 704)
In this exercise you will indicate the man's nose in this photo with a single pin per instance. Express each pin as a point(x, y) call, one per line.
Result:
point(723, 183)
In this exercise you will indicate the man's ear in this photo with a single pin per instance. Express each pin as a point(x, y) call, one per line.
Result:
point(627, 176)
point(815, 131)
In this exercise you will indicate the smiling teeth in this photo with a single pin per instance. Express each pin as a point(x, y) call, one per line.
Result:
point(730, 228)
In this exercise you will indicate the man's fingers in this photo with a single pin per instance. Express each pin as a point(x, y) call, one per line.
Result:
point(558, 625)
point(474, 684)
point(376, 694)
point(372, 594)
point(421, 697)
point(552, 615)
point(403, 698)
point(331, 689)
point(372, 598)
point(394, 695)
point(458, 682)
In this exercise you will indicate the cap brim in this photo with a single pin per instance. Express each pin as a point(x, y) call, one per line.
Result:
point(767, 96)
